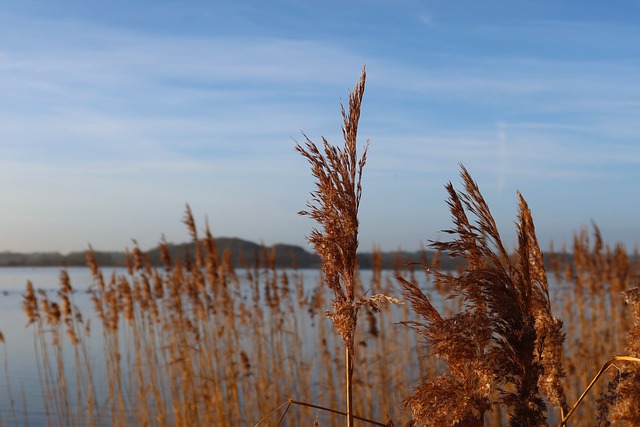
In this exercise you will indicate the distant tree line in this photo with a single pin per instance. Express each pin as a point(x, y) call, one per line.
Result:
point(241, 253)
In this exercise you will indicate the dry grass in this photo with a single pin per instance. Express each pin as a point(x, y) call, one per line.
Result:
point(184, 344)
point(504, 348)
point(193, 343)
point(334, 206)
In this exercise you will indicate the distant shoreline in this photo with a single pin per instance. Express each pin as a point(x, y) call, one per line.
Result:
point(241, 253)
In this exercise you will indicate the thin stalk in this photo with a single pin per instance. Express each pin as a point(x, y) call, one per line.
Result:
point(348, 363)
point(290, 402)
point(8, 381)
point(604, 368)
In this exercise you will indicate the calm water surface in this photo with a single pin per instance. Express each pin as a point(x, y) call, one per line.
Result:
point(22, 373)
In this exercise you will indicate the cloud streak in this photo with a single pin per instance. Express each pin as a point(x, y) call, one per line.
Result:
point(208, 117)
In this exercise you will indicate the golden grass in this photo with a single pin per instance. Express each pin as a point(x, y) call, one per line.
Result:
point(335, 204)
point(185, 344)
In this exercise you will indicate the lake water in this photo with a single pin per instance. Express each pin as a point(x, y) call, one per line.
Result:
point(20, 355)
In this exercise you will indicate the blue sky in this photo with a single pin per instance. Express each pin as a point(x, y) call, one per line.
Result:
point(113, 115)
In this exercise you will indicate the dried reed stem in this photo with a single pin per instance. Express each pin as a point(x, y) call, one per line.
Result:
point(291, 402)
point(608, 364)
point(334, 205)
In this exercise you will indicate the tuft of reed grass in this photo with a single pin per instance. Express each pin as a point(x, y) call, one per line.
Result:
point(504, 348)
point(335, 203)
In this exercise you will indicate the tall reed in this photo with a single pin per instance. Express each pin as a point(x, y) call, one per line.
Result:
point(504, 348)
point(335, 203)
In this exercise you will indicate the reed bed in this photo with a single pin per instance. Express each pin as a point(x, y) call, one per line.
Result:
point(510, 338)
point(197, 342)
point(192, 342)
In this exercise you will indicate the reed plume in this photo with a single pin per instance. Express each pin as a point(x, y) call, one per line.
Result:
point(504, 339)
point(334, 205)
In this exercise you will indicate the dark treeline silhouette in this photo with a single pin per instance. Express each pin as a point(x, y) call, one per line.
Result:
point(243, 254)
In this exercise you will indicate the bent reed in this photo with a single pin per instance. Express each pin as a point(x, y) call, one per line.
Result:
point(510, 338)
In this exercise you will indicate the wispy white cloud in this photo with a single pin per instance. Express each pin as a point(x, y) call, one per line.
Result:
point(103, 117)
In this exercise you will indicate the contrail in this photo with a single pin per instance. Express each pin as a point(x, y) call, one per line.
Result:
point(502, 140)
